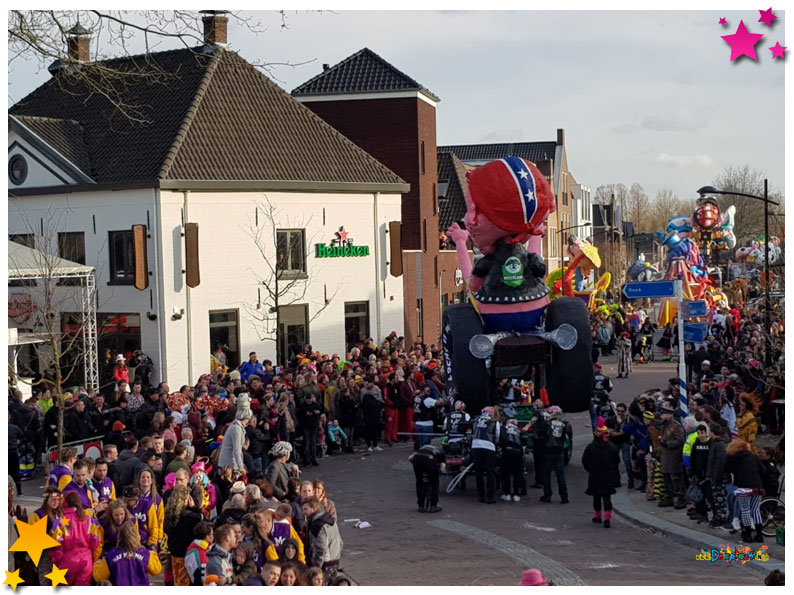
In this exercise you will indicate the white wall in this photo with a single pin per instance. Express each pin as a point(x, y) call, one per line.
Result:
point(232, 265)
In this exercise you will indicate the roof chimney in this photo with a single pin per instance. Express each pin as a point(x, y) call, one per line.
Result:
point(78, 43)
point(560, 136)
point(326, 67)
point(215, 23)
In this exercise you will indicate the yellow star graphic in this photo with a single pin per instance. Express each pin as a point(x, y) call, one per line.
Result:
point(57, 576)
point(33, 539)
point(65, 522)
point(12, 579)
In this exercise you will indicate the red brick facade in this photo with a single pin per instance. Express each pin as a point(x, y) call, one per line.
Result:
point(401, 134)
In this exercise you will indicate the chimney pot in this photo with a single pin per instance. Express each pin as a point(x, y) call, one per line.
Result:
point(560, 136)
point(78, 43)
point(326, 67)
point(215, 23)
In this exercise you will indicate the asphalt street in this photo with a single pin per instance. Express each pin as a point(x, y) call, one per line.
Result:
point(469, 543)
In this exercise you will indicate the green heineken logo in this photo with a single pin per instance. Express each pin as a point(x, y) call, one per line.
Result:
point(341, 246)
point(513, 272)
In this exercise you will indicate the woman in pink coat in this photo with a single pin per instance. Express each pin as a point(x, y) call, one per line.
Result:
point(81, 545)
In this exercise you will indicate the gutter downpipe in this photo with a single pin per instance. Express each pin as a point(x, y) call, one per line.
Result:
point(159, 283)
point(376, 231)
point(189, 320)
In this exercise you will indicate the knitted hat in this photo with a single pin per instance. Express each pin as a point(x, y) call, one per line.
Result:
point(533, 578)
point(554, 411)
point(238, 487)
point(281, 449)
point(243, 403)
point(512, 194)
point(118, 426)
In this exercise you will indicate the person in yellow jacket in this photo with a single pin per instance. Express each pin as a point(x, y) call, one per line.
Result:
point(149, 510)
point(129, 564)
point(746, 422)
point(267, 543)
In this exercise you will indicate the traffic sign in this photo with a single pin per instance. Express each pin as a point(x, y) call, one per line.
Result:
point(649, 289)
point(695, 332)
point(694, 309)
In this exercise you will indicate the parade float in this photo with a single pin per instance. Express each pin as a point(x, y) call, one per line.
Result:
point(510, 328)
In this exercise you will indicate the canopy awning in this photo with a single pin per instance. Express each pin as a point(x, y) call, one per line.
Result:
point(27, 263)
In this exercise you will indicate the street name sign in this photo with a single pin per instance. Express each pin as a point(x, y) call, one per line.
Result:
point(695, 332)
point(649, 289)
point(694, 309)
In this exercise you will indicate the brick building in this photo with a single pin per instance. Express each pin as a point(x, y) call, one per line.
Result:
point(393, 118)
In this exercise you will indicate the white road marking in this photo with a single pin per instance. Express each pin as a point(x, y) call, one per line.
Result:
point(524, 556)
point(538, 527)
point(603, 565)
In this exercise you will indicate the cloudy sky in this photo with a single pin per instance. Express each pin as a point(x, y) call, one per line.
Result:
point(648, 97)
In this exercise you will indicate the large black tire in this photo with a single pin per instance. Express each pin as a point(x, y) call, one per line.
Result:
point(469, 374)
point(569, 377)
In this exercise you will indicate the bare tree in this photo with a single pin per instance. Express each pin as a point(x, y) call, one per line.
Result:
point(43, 36)
point(59, 318)
point(666, 205)
point(280, 280)
point(637, 208)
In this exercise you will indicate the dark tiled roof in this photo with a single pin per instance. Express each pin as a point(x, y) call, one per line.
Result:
point(452, 207)
point(363, 72)
point(211, 117)
point(246, 127)
point(67, 137)
point(533, 151)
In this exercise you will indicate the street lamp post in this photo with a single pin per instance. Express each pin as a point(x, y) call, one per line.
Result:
point(767, 306)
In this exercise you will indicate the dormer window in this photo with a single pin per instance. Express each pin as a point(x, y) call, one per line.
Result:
point(17, 170)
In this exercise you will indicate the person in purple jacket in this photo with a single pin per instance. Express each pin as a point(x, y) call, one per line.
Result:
point(61, 474)
point(80, 486)
point(129, 564)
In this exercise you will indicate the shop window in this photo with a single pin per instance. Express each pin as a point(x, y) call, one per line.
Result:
point(122, 265)
point(356, 322)
point(293, 330)
point(225, 330)
point(71, 246)
point(291, 253)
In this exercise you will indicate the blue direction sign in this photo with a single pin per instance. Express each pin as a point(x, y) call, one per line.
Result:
point(694, 309)
point(695, 332)
point(649, 289)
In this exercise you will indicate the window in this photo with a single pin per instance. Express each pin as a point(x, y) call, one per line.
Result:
point(424, 235)
point(552, 242)
point(443, 188)
point(24, 239)
point(435, 200)
point(423, 157)
point(122, 267)
point(71, 246)
point(294, 330)
point(225, 329)
point(565, 199)
point(356, 322)
point(17, 170)
point(116, 333)
point(291, 253)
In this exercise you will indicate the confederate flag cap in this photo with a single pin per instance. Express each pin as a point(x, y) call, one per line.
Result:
point(512, 194)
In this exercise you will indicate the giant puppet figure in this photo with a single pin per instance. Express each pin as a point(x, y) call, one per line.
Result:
point(507, 203)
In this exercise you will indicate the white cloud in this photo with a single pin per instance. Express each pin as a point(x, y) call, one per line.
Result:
point(703, 161)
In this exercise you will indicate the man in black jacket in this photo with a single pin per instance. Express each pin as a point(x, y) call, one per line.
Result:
point(128, 464)
point(78, 424)
point(309, 411)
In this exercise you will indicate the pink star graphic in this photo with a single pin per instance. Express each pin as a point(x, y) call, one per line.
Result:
point(743, 42)
point(777, 51)
point(723, 22)
point(767, 17)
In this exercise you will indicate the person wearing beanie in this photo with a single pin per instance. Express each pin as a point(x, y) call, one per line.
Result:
point(231, 453)
point(601, 460)
point(671, 441)
point(533, 578)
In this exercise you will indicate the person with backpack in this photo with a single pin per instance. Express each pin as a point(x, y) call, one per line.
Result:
point(559, 430)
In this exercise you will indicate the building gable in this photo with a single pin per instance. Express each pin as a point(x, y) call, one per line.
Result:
point(34, 162)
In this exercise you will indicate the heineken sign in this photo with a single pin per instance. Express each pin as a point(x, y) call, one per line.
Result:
point(341, 246)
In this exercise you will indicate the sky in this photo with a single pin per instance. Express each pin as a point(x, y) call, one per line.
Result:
point(649, 97)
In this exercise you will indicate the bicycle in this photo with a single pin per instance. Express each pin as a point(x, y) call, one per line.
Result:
point(773, 512)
